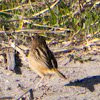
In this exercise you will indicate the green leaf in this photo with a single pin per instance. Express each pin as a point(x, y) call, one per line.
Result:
point(53, 16)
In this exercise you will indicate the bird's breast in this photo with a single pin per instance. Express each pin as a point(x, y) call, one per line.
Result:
point(38, 66)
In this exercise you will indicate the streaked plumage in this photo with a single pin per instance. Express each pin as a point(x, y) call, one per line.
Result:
point(41, 59)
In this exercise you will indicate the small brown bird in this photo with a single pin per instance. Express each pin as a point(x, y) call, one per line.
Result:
point(41, 59)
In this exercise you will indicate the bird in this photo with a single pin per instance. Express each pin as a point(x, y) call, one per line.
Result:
point(41, 59)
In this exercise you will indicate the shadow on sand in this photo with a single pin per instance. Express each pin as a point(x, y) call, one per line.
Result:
point(87, 82)
point(18, 63)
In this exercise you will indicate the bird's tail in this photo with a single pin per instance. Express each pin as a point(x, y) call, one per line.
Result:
point(60, 74)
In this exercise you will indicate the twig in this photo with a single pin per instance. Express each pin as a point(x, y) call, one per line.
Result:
point(31, 94)
point(63, 51)
point(17, 48)
point(45, 10)
point(18, 7)
point(31, 5)
point(93, 53)
point(50, 27)
point(75, 34)
point(34, 31)
point(96, 4)
point(1, 98)
point(50, 43)
point(7, 21)
point(97, 32)
point(68, 50)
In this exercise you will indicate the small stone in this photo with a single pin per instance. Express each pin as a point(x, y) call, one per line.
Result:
point(18, 85)
point(1, 72)
point(16, 80)
point(30, 79)
point(5, 67)
point(9, 73)
point(66, 97)
point(8, 88)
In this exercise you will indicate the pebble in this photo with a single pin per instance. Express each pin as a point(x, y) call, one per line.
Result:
point(8, 88)
point(18, 85)
point(16, 80)
point(9, 73)
point(1, 72)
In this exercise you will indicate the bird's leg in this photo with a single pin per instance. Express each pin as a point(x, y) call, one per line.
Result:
point(50, 76)
point(37, 85)
point(47, 81)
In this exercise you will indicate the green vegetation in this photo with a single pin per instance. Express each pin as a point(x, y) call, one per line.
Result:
point(74, 19)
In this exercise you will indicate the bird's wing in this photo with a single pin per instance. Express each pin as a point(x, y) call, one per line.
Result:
point(47, 57)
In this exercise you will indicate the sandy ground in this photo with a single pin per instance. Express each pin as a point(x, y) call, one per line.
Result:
point(83, 82)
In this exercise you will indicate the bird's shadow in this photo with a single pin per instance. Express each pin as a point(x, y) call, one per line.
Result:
point(87, 82)
point(18, 63)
